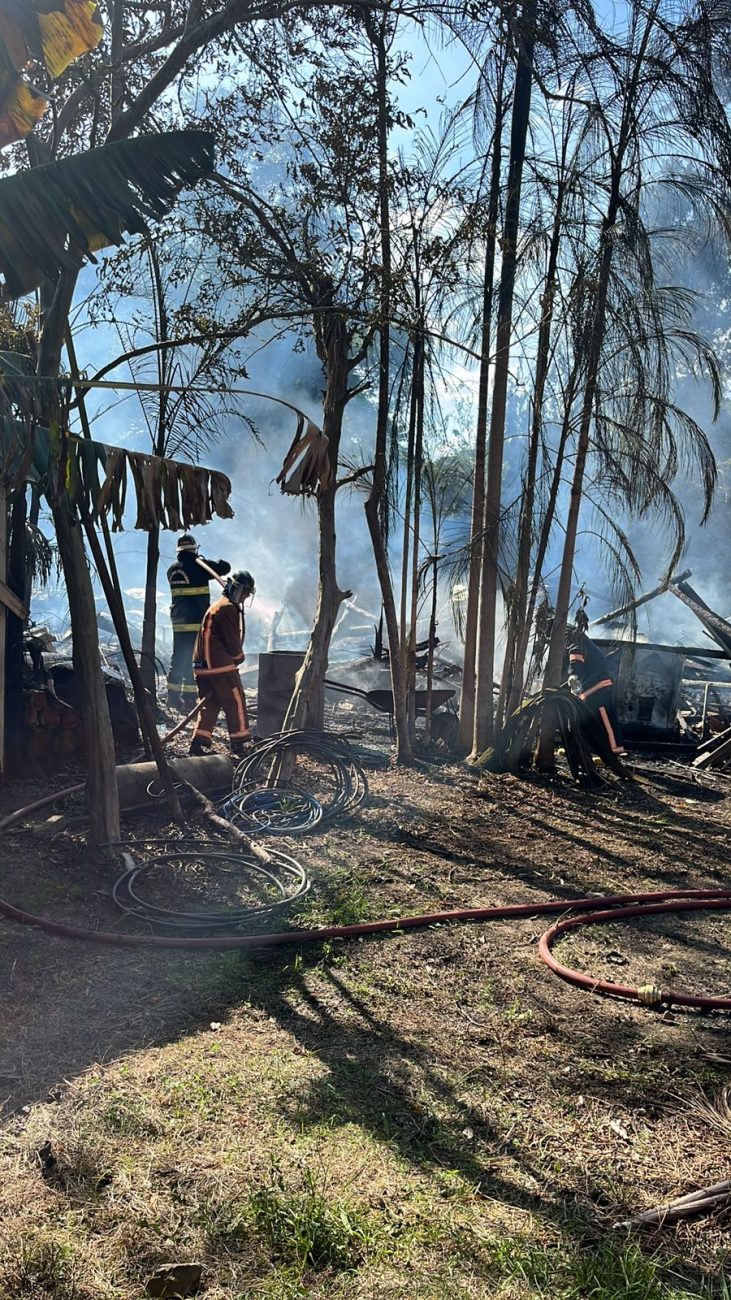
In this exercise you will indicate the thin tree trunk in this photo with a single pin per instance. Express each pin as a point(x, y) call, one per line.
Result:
point(408, 505)
point(517, 615)
point(593, 351)
point(430, 652)
point(410, 680)
point(483, 721)
point(17, 579)
point(376, 502)
point(159, 448)
point(467, 701)
point(34, 512)
point(148, 659)
point(101, 780)
point(306, 707)
point(543, 540)
point(554, 660)
point(147, 721)
point(102, 794)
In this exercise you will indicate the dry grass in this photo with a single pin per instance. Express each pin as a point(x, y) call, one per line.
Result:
point(429, 1116)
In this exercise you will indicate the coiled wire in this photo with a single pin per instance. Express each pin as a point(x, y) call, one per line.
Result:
point(282, 875)
point(349, 779)
point(280, 811)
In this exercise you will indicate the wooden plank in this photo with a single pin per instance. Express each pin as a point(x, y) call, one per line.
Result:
point(687, 651)
point(9, 599)
point(720, 754)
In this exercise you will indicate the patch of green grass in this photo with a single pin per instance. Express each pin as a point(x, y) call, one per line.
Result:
point(610, 1270)
point(126, 1114)
point(306, 1229)
point(41, 1267)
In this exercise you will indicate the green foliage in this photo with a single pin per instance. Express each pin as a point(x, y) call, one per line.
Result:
point(41, 1267)
point(306, 1229)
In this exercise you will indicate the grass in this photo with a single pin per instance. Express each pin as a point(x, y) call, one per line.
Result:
point(40, 1267)
point(306, 1229)
point(609, 1270)
point(423, 1118)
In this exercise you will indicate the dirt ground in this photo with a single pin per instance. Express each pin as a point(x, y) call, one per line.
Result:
point(431, 1114)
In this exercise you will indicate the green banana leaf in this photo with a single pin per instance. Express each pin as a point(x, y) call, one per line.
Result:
point(52, 215)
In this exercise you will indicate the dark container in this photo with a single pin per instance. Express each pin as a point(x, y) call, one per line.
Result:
point(277, 671)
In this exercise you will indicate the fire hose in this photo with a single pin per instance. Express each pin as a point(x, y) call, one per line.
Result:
point(350, 790)
point(594, 910)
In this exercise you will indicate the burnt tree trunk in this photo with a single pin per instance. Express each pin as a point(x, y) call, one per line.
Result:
point(542, 547)
point(102, 794)
point(518, 608)
point(376, 503)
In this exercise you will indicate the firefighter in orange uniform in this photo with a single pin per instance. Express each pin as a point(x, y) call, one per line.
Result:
point(218, 652)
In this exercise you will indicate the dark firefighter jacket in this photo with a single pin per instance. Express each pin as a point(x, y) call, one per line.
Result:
point(189, 590)
point(587, 662)
point(219, 646)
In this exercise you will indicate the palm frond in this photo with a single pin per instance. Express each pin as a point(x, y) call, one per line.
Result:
point(55, 215)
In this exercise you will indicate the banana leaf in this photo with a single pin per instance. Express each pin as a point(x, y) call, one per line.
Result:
point(51, 216)
point(33, 33)
point(52, 32)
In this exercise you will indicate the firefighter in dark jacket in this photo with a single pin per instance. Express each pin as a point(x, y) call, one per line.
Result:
point(191, 596)
point(590, 678)
point(219, 650)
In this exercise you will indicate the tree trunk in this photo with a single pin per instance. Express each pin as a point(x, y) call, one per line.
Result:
point(595, 341)
point(408, 506)
point(110, 584)
point(430, 651)
point(306, 706)
point(17, 580)
point(467, 701)
point(376, 502)
point(102, 778)
point(516, 619)
point(543, 540)
point(410, 678)
point(148, 661)
point(101, 782)
point(483, 720)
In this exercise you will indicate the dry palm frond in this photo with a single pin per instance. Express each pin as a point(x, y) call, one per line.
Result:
point(52, 216)
point(582, 736)
point(714, 1111)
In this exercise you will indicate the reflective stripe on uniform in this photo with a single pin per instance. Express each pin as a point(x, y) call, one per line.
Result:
point(211, 672)
point(185, 627)
point(599, 687)
point(576, 659)
point(615, 748)
point(189, 591)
